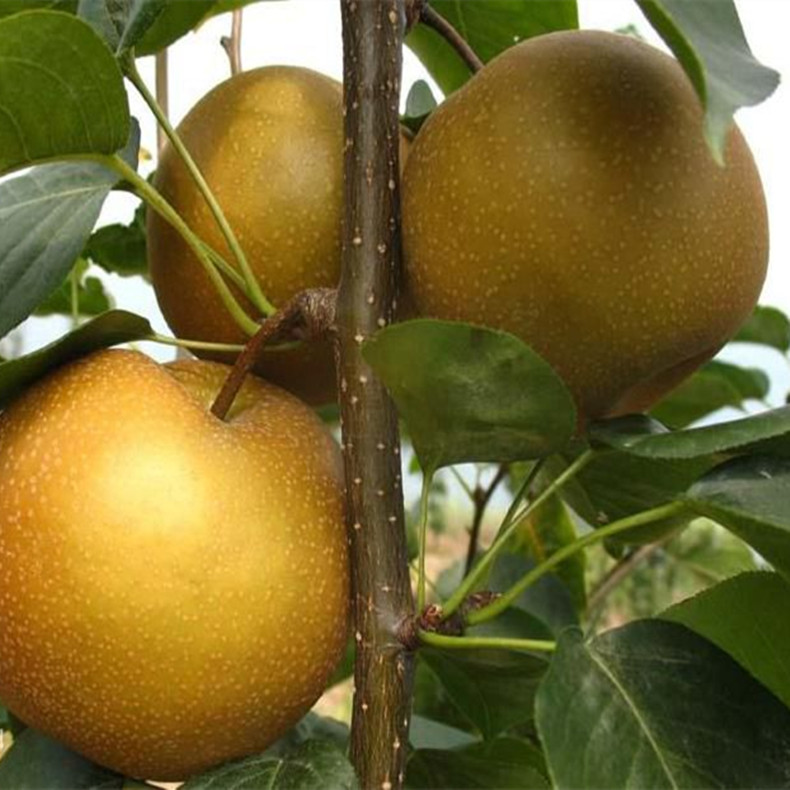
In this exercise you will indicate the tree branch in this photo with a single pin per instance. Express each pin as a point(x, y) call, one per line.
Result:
point(307, 316)
point(433, 19)
point(162, 92)
point(381, 588)
point(232, 44)
point(481, 497)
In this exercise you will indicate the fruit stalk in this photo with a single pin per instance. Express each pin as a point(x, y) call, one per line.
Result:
point(381, 591)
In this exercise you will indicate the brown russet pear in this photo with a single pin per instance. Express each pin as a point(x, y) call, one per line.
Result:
point(173, 587)
point(567, 194)
point(269, 142)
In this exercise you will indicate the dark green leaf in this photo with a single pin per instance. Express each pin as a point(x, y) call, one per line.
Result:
point(46, 216)
point(500, 764)
point(548, 600)
point(91, 298)
point(751, 497)
point(548, 528)
point(654, 705)
point(471, 394)
point(420, 103)
point(175, 21)
point(121, 23)
point(767, 326)
point(116, 326)
point(494, 690)
point(120, 249)
point(60, 89)
point(490, 27)
point(767, 432)
point(311, 726)
point(618, 485)
point(715, 386)
point(313, 765)
point(747, 617)
point(36, 762)
point(9, 7)
point(707, 38)
point(426, 733)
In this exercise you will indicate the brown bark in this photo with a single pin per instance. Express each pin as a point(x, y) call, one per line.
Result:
point(382, 599)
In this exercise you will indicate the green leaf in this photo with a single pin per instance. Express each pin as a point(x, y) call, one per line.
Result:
point(767, 326)
point(9, 7)
point(426, 733)
point(109, 329)
point(46, 216)
point(708, 40)
point(746, 616)
point(493, 689)
point(654, 705)
point(711, 388)
point(121, 23)
point(310, 727)
point(91, 296)
point(546, 530)
point(751, 497)
point(35, 761)
point(420, 103)
point(175, 21)
point(636, 434)
point(469, 393)
point(61, 91)
point(548, 600)
point(503, 763)
point(120, 249)
point(490, 27)
point(313, 765)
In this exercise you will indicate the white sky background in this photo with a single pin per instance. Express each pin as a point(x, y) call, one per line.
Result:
point(307, 33)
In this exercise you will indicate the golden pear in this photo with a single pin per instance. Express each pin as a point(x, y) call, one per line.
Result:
point(566, 194)
point(173, 587)
point(270, 144)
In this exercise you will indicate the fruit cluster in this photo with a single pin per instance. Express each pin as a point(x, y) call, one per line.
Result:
point(565, 194)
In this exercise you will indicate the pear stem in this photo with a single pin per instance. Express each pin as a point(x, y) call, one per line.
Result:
point(308, 315)
point(431, 18)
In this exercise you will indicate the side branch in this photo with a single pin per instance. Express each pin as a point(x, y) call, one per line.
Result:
point(434, 20)
point(307, 316)
point(381, 589)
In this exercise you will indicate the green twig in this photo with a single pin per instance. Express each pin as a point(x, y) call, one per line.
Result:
point(198, 344)
point(427, 477)
point(622, 525)
point(461, 482)
point(157, 202)
point(472, 642)
point(479, 570)
point(253, 287)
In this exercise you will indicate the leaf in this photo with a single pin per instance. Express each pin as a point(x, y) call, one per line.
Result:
point(420, 103)
point(746, 616)
point(471, 394)
point(35, 761)
point(9, 7)
point(426, 733)
point(636, 434)
point(546, 530)
point(493, 689)
point(61, 92)
point(653, 705)
point(549, 600)
point(310, 727)
point(109, 329)
point(121, 23)
point(490, 27)
point(502, 764)
point(313, 765)
point(91, 296)
point(711, 388)
point(767, 326)
point(708, 40)
point(751, 497)
point(175, 21)
point(120, 249)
